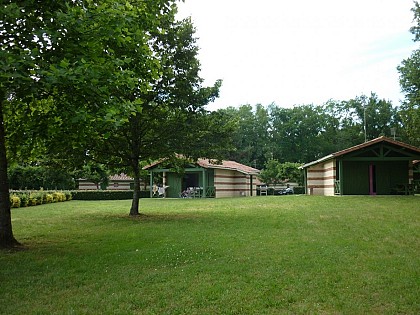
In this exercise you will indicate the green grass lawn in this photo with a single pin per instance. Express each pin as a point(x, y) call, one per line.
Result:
point(263, 255)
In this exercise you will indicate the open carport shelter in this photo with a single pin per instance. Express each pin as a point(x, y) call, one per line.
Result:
point(208, 178)
point(381, 166)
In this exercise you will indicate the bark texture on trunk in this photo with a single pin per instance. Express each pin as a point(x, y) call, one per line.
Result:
point(7, 239)
point(136, 193)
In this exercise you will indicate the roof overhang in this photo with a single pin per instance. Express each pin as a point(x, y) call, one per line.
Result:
point(324, 159)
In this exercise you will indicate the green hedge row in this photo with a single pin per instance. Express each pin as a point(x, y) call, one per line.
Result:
point(107, 194)
point(299, 190)
point(28, 198)
point(34, 177)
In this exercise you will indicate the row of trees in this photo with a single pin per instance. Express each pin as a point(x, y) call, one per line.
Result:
point(39, 177)
point(305, 133)
point(52, 177)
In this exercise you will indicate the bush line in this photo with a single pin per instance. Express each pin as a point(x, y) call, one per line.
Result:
point(28, 198)
point(107, 194)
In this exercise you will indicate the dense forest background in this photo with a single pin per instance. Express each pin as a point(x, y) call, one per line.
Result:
point(304, 133)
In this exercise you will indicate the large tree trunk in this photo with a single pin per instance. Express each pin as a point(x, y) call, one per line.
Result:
point(136, 193)
point(7, 239)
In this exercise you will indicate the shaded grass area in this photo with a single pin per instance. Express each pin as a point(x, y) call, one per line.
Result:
point(265, 255)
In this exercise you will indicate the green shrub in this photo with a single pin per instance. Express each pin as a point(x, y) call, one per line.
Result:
point(102, 194)
point(48, 198)
point(14, 201)
point(33, 198)
point(35, 177)
point(299, 190)
point(59, 196)
point(69, 195)
point(44, 197)
point(24, 199)
point(32, 201)
point(39, 198)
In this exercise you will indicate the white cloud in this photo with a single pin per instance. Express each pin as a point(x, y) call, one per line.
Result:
point(301, 52)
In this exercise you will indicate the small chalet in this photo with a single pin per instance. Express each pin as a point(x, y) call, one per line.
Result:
point(205, 178)
point(116, 182)
point(378, 167)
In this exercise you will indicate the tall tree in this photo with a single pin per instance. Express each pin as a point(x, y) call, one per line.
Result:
point(63, 61)
point(410, 85)
point(23, 39)
point(251, 137)
point(275, 173)
point(160, 115)
point(347, 126)
point(374, 116)
point(298, 133)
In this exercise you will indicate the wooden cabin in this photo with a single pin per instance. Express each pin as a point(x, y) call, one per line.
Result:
point(378, 167)
point(204, 178)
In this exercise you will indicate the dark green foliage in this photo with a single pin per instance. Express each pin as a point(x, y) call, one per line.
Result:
point(63, 65)
point(252, 135)
point(107, 194)
point(307, 132)
point(275, 173)
point(299, 190)
point(96, 173)
point(410, 85)
point(39, 177)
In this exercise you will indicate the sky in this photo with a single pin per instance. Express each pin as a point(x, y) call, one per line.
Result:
point(296, 52)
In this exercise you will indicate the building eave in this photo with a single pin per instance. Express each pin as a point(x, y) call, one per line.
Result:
point(323, 159)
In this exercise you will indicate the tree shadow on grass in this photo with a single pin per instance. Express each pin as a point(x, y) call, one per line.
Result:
point(157, 217)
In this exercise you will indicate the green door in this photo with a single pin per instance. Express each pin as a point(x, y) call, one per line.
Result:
point(355, 178)
point(174, 182)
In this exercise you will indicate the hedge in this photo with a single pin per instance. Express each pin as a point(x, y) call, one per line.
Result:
point(35, 177)
point(106, 194)
point(25, 198)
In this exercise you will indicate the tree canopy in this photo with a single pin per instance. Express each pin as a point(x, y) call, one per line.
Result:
point(307, 132)
point(85, 80)
point(410, 85)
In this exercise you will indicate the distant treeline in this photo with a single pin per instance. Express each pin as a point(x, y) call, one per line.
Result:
point(307, 132)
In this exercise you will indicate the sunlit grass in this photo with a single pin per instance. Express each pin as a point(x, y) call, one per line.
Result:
point(265, 255)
